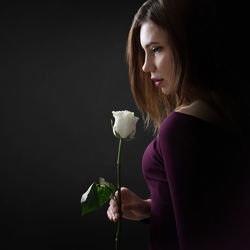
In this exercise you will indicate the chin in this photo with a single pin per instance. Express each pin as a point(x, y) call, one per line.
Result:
point(164, 91)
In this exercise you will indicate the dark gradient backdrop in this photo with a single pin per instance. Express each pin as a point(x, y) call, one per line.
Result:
point(63, 71)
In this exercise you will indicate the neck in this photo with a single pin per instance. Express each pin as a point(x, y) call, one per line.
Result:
point(202, 110)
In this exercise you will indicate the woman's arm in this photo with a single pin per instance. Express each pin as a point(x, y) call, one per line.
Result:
point(133, 207)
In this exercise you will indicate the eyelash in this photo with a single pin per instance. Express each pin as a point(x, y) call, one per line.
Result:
point(156, 49)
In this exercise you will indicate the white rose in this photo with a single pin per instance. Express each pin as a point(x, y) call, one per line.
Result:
point(125, 124)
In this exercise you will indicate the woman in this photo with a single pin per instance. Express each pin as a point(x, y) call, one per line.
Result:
point(197, 168)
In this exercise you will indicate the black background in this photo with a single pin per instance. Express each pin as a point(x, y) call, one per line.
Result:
point(63, 71)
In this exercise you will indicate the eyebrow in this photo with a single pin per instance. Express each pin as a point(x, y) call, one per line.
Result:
point(151, 43)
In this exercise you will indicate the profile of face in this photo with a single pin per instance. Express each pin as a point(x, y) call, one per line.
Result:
point(158, 54)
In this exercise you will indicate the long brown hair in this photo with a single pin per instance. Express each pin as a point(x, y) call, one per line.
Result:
point(191, 26)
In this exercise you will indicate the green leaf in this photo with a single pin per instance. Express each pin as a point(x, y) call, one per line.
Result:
point(90, 199)
point(96, 196)
point(104, 194)
point(107, 184)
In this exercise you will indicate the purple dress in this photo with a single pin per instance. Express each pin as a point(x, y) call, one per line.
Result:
point(198, 177)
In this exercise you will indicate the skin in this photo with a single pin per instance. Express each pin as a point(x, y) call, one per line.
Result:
point(201, 110)
point(158, 59)
point(157, 62)
point(133, 207)
point(158, 54)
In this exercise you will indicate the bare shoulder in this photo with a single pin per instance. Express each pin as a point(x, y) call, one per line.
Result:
point(201, 110)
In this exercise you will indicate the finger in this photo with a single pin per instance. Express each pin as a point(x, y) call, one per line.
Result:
point(110, 217)
point(112, 202)
point(125, 194)
point(116, 217)
point(114, 207)
point(116, 195)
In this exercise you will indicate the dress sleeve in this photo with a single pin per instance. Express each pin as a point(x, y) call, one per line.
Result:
point(179, 145)
point(205, 169)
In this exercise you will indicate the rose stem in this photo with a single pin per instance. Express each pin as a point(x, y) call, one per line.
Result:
point(119, 194)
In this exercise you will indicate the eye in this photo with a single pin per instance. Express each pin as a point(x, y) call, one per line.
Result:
point(156, 49)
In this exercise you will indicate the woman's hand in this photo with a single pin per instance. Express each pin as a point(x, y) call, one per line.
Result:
point(133, 207)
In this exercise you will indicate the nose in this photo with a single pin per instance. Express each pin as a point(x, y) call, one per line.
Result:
point(148, 65)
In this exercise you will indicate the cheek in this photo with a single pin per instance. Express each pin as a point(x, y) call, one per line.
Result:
point(165, 65)
point(165, 69)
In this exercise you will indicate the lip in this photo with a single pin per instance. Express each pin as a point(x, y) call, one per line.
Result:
point(157, 81)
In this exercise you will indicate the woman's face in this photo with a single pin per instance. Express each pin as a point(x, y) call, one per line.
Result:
point(158, 54)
